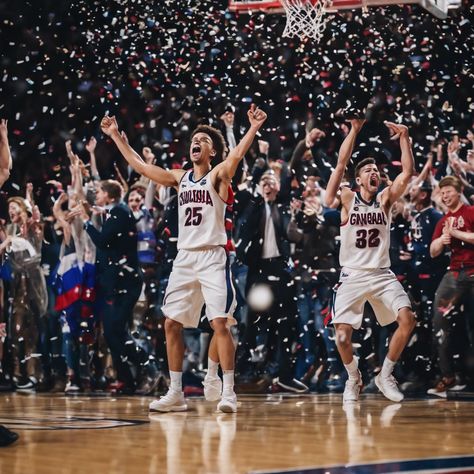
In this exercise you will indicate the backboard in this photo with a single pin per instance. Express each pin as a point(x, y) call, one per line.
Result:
point(438, 8)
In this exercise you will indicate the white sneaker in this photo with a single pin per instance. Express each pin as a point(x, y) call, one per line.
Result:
point(352, 389)
point(228, 403)
point(71, 388)
point(389, 387)
point(212, 388)
point(172, 401)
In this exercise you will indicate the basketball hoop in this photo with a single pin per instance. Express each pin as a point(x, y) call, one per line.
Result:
point(305, 18)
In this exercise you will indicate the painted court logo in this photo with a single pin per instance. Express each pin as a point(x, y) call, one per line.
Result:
point(49, 421)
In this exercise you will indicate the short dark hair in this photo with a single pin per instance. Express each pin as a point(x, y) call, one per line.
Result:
point(112, 188)
point(217, 138)
point(362, 163)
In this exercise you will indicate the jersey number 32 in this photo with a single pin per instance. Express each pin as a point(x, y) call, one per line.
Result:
point(367, 238)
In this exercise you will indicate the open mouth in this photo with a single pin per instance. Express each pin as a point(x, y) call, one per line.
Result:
point(373, 181)
point(195, 150)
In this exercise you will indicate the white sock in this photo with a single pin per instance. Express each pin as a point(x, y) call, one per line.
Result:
point(353, 369)
point(212, 367)
point(228, 381)
point(176, 381)
point(387, 367)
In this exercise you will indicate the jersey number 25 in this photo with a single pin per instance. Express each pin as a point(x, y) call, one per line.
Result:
point(193, 216)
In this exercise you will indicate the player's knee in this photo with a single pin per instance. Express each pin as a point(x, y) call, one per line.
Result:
point(406, 320)
point(219, 325)
point(343, 336)
point(172, 326)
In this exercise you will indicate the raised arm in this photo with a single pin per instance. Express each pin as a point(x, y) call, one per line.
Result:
point(5, 155)
point(60, 217)
point(150, 194)
point(399, 185)
point(228, 167)
point(90, 147)
point(425, 173)
point(159, 175)
point(345, 153)
point(121, 179)
point(228, 118)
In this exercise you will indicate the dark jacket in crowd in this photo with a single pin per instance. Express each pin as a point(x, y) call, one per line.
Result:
point(251, 230)
point(117, 258)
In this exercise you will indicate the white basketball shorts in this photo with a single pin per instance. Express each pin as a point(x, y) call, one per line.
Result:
point(200, 277)
point(378, 287)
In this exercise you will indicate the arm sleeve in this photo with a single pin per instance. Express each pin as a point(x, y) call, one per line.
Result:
point(111, 229)
point(325, 168)
point(438, 229)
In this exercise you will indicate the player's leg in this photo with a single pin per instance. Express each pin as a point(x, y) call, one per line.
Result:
point(406, 324)
point(385, 381)
point(174, 398)
point(391, 303)
point(182, 307)
point(174, 346)
point(212, 382)
point(348, 308)
point(344, 342)
point(226, 354)
point(344, 347)
point(219, 295)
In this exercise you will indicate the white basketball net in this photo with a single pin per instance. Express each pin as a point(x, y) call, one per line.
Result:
point(305, 18)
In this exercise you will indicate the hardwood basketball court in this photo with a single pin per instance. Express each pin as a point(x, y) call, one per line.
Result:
point(271, 433)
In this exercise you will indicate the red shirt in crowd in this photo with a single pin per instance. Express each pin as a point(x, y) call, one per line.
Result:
point(462, 253)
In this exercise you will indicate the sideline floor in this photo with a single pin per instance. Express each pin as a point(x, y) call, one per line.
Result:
point(271, 433)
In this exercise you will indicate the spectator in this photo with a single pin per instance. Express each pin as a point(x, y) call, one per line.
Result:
point(118, 278)
point(456, 231)
point(263, 246)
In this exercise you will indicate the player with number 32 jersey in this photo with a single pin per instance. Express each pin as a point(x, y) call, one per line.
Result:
point(364, 257)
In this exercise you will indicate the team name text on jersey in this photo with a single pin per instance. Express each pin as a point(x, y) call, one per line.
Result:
point(200, 196)
point(369, 218)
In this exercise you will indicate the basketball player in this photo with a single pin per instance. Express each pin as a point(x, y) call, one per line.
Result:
point(201, 272)
point(364, 258)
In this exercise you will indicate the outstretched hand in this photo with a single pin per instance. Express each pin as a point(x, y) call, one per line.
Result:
point(109, 125)
point(62, 198)
point(397, 130)
point(80, 210)
point(68, 145)
point(314, 136)
point(91, 144)
point(228, 118)
point(357, 124)
point(148, 155)
point(256, 116)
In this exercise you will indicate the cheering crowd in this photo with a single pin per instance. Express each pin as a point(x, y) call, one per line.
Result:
point(83, 284)
point(80, 316)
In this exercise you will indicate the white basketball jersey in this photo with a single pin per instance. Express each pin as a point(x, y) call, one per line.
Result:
point(201, 214)
point(365, 237)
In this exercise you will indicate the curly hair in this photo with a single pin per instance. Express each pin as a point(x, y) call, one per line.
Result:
point(217, 138)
